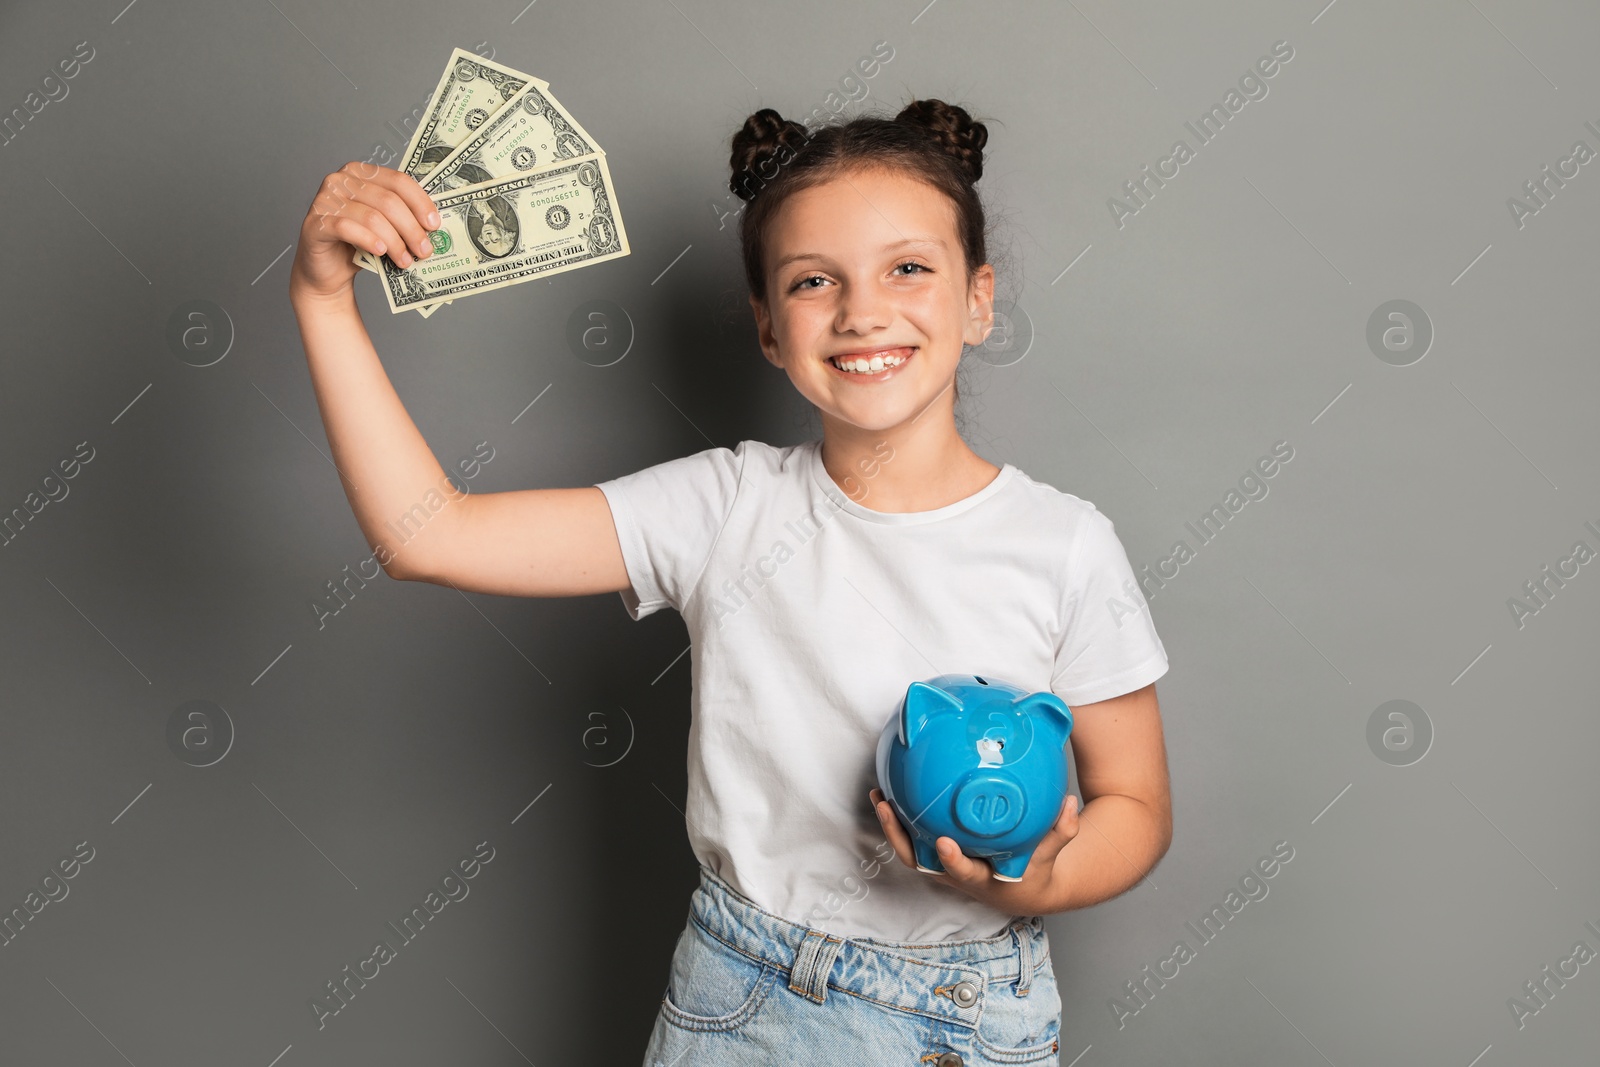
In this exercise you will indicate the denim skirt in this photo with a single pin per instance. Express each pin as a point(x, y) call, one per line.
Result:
point(749, 987)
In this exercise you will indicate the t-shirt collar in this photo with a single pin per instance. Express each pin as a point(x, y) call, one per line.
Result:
point(826, 483)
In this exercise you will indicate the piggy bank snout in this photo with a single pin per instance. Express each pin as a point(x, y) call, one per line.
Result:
point(989, 803)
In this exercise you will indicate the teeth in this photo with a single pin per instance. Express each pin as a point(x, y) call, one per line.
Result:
point(868, 366)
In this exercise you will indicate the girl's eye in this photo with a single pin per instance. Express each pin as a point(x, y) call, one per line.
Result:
point(801, 284)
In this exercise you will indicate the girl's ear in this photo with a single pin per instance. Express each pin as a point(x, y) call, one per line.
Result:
point(980, 306)
point(769, 343)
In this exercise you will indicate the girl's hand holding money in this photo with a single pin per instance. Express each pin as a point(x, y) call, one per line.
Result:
point(361, 205)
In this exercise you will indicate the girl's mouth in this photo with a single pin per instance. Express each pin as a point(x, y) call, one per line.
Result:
point(887, 360)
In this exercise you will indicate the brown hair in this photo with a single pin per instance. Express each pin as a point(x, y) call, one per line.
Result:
point(774, 157)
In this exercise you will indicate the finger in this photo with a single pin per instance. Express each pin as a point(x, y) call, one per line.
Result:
point(892, 829)
point(358, 186)
point(416, 198)
point(379, 224)
point(975, 872)
point(399, 214)
point(1061, 834)
point(337, 190)
point(1067, 825)
point(351, 232)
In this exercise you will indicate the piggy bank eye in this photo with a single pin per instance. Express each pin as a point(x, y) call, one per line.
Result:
point(980, 680)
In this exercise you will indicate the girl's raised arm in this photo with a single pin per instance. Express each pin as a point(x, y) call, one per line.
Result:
point(531, 542)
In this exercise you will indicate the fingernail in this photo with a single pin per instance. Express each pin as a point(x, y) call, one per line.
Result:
point(433, 219)
point(379, 248)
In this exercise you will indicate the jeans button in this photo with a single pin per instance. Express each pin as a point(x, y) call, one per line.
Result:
point(949, 1059)
point(964, 993)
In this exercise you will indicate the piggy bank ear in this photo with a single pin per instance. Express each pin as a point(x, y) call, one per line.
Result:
point(922, 702)
point(1049, 704)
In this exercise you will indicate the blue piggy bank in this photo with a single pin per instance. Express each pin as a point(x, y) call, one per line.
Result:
point(977, 760)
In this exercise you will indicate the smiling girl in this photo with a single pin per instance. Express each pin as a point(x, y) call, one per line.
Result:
point(817, 581)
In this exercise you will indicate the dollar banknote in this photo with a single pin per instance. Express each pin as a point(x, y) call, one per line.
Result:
point(469, 91)
point(545, 221)
point(532, 129)
point(504, 124)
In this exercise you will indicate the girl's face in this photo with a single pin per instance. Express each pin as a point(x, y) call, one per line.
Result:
point(870, 263)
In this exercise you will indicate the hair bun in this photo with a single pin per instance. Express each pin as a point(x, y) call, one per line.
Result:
point(766, 141)
point(954, 129)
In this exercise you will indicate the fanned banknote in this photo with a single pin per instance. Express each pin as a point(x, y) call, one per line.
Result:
point(468, 92)
point(549, 220)
point(530, 130)
point(487, 123)
point(533, 129)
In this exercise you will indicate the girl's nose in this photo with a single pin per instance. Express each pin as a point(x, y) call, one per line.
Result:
point(863, 309)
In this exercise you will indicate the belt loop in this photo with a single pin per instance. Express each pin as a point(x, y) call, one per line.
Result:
point(813, 961)
point(1023, 933)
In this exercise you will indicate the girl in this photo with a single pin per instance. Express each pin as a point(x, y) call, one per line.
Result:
point(817, 581)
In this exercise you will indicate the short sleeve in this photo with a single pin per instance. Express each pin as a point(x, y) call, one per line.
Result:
point(1108, 645)
point(668, 518)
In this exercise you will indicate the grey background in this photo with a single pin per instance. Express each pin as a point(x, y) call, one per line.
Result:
point(1229, 314)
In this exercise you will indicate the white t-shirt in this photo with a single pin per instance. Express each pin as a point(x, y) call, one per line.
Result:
point(809, 614)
